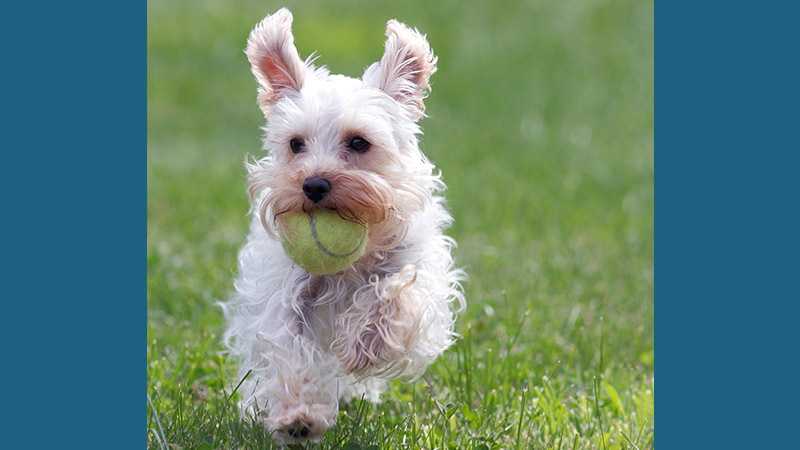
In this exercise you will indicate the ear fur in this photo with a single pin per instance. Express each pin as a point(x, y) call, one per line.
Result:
point(274, 59)
point(406, 67)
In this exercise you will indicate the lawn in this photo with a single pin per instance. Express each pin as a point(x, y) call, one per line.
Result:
point(541, 120)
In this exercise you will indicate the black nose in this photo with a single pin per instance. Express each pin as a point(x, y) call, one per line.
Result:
point(316, 188)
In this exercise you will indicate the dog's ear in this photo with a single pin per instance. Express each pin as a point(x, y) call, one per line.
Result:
point(274, 59)
point(406, 67)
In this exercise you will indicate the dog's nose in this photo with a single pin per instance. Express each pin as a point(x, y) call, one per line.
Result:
point(316, 188)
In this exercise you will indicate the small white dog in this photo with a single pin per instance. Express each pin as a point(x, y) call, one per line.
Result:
point(347, 145)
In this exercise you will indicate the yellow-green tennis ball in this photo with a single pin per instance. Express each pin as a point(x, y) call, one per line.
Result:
point(322, 242)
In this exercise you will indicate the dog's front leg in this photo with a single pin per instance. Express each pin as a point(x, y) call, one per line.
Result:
point(300, 384)
point(382, 324)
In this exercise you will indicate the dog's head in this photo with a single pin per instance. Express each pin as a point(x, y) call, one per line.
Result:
point(341, 143)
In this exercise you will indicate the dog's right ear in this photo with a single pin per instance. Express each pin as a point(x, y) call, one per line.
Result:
point(274, 59)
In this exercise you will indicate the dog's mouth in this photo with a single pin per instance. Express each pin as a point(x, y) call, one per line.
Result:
point(343, 212)
point(356, 195)
point(386, 227)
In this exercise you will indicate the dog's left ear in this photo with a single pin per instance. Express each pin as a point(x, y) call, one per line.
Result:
point(406, 67)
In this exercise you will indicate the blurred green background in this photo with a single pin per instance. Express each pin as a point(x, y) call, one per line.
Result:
point(541, 120)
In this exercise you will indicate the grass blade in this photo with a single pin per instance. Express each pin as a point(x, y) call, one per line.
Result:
point(162, 439)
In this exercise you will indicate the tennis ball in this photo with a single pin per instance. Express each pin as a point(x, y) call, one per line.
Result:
point(322, 242)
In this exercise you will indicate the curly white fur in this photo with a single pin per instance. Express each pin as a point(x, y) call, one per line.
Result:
point(309, 340)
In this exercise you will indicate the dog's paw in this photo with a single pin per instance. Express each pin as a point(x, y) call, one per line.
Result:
point(298, 424)
point(299, 431)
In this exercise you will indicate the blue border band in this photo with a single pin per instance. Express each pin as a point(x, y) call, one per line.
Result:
point(727, 222)
point(74, 205)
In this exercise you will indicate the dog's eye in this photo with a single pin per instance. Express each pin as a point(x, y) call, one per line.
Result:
point(359, 144)
point(297, 145)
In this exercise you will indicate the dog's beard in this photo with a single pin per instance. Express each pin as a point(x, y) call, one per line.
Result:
point(356, 195)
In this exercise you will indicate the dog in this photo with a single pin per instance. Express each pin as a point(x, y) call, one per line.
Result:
point(303, 342)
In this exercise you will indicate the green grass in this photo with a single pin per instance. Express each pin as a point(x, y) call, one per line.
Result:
point(542, 124)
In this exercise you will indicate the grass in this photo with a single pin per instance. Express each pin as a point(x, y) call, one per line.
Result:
point(542, 123)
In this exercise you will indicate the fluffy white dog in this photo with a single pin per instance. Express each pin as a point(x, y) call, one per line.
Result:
point(348, 145)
